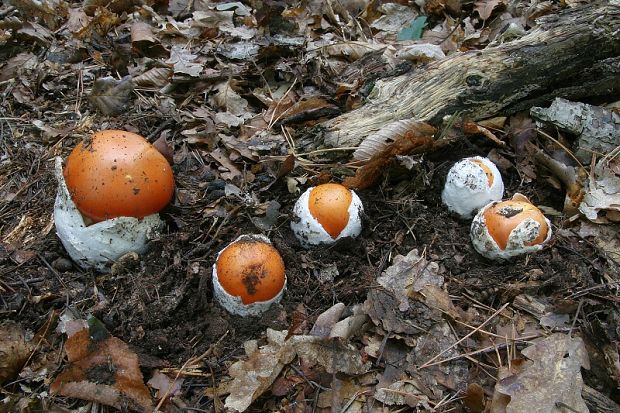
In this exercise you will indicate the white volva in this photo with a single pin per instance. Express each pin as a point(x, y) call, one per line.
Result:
point(467, 186)
point(310, 232)
point(233, 303)
point(98, 245)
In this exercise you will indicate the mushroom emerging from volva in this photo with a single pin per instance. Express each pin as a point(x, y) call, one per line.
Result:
point(505, 229)
point(109, 195)
point(326, 213)
point(248, 276)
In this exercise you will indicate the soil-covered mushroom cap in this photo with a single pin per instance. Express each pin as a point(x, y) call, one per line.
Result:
point(471, 184)
point(505, 229)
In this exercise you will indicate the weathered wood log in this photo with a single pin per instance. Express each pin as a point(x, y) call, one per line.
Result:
point(574, 54)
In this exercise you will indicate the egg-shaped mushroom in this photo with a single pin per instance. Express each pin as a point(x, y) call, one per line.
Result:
point(326, 213)
point(471, 184)
point(248, 275)
point(505, 229)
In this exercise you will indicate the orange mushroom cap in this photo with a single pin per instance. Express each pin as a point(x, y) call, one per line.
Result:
point(329, 204)
point(117, 173)
point(486, 169)
point(503, 217)
point(252, 270)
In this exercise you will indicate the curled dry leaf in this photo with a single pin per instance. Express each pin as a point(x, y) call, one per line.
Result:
point(353, 50)
point(414, 137)
point(422, 53)
point(144, 41)
point(14, 350)
point(601, 201)
point(326, 320)
point(102, 368)
point(155, 77)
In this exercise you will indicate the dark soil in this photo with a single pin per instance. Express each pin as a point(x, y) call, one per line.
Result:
point(162, 303)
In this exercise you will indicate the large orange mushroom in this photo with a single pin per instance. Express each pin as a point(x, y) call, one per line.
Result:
point(117, 173)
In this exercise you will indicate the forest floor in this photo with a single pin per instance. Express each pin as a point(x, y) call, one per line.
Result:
point(231, 88)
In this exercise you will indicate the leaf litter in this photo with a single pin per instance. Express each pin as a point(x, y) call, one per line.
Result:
point(405, 317)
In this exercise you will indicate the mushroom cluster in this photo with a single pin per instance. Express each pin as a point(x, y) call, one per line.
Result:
point(500, 229)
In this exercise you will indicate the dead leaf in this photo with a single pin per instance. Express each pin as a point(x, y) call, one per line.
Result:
point(51, 12)
point(184, 61)
point(272, 213)
point(416, 138)
point(14, 350)
point(102, 368)
point(604, 237)
point(78, 20)
point(37, 33)
point(252, 377)
point(485, 7)
point(233, 171)
point(326, 320)
point(111, 96)
point(352, 50)
point(473, 398)
point(144, 41)
point(420, 53)
point(601, 201)
point(18, 63)
point(155, 77)
point(165, 386)
point(305, 111)
point(403, 393)
point(472, 128)
point(551, 379)
point(227, 99)
point(163, 147)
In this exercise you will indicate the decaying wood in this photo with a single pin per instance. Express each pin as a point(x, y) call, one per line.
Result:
point(574, 54)
point(598, 402)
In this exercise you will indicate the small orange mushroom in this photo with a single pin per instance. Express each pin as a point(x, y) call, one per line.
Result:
point(329, 204)
point(250, 269)
point(117, 173)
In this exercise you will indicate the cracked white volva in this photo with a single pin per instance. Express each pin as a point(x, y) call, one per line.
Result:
point(233, 303)
point(310, 232)
point(98, 245)
point(526, 231)
point(467, 186)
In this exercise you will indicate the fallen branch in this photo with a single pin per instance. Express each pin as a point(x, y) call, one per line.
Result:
point(574, 54)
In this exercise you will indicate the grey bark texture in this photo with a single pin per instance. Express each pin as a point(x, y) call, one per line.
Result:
point(574, 54)
point(597, 129)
